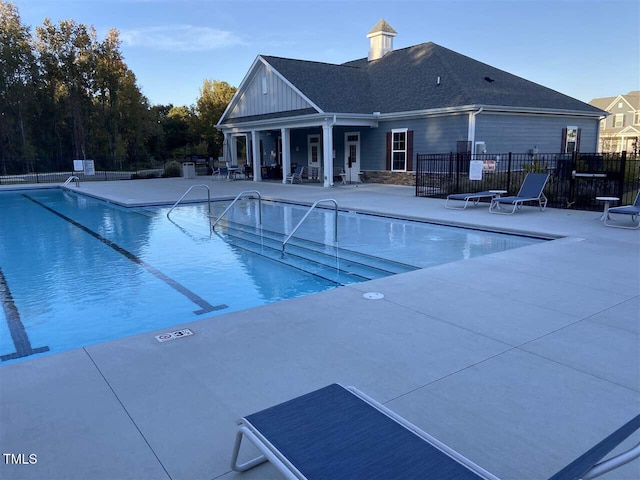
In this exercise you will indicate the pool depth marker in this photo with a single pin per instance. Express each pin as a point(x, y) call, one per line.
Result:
point(18, 333)
point(206, 307)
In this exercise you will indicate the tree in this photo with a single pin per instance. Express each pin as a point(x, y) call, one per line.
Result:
point(67, 55)
point(213, 100)
point(110, 74)
point(179, 129)
point(17, 72)
point(135, 117)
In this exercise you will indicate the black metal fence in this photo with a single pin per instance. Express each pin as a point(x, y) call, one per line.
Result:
point(576, 178)
point(53, 170)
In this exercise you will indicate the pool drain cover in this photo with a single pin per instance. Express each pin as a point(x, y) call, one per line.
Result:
point(165, 337)
point(373, 295)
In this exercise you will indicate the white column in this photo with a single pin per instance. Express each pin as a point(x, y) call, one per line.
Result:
point(226, 148)
point(255, 152)
point(327, 150)
point(286, 153)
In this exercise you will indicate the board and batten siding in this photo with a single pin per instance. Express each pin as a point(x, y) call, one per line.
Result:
point(266, 93)
point(520, 133)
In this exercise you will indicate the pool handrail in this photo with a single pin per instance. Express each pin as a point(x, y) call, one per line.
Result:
point(335, 222)
point(187, 192)
point(70, 179)
point(213, 225)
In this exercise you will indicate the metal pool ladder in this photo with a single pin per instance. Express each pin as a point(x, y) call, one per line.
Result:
point(335, 221)
point(186, 193)
point(70, 179)
point(238, 197)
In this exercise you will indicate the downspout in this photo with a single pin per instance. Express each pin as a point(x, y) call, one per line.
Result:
point(602, 117)
point(471, 137)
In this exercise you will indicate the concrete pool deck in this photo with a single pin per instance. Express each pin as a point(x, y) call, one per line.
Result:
point(520, 360)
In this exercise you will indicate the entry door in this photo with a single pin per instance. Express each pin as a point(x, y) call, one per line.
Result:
point(352, 157)
point(314, 156)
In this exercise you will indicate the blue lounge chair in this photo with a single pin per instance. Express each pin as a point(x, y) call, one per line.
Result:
point(530, 191)
point(633, 210)
point(341, 433)
point(297, 175)
point(466, 197)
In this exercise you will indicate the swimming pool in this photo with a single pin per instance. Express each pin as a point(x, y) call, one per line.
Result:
point(75, 270)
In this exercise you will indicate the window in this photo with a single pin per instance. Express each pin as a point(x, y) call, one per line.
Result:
point(399, 150)
point(636, 118)
point(618, 120)
point(313, 149)
point(571, 140)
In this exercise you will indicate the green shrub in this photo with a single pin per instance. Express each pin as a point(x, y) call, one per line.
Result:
point(173, 169)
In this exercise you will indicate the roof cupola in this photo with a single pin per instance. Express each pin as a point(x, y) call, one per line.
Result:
point(381, 40)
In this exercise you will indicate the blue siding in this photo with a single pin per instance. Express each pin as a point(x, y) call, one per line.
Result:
point(521, 133)
point(431, 135)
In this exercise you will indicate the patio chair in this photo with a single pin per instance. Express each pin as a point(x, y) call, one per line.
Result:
point(466, 197)
point(530, 191)
point(296, 176)
point(341, 433)
point(633, 210)
point(220, 173)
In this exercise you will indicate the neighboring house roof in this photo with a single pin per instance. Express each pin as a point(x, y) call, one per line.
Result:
point(606, 103)
point(418, 78)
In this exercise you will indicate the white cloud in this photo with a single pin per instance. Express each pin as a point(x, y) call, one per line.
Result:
point(179, 38)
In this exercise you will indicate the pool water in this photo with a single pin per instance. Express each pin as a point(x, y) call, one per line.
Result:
point(75, 271)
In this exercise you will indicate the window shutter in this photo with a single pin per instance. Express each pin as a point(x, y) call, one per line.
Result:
point(410, 151)
point(389, 151)
point(563, 145)
point(578, 140)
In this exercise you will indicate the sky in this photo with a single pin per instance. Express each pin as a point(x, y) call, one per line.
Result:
point(583, 48)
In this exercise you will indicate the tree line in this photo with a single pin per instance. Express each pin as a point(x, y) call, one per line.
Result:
point(66, 94)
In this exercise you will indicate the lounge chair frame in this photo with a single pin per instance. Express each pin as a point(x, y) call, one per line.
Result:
point(279, 460)
point(467, 197)
point(524, 195)
point(584, 467)
point(633, 210)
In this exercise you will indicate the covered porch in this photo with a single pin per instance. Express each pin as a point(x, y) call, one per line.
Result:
point(327, 146)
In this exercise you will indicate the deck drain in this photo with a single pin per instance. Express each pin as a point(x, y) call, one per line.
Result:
point(165, 337)
point(373, 295)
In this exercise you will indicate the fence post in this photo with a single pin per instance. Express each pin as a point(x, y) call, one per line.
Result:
point(509, 173)
point(457, 169)
point(623, 169)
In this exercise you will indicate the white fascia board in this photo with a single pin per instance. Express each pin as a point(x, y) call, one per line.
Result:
point(234, 99)
point(291, 85)
point(250, 74)
point(302, 121)
point(540, 111)
point(629, 129)
point(485, 109)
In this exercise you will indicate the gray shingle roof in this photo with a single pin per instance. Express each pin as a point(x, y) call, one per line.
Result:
point(406, 80)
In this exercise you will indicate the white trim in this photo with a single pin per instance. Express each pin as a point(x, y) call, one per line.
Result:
point(291, 85)
point(319, 160)
point(406, 140)
point(252, 73)
point(372, 121)
point(354, 177)
point(617, 99)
